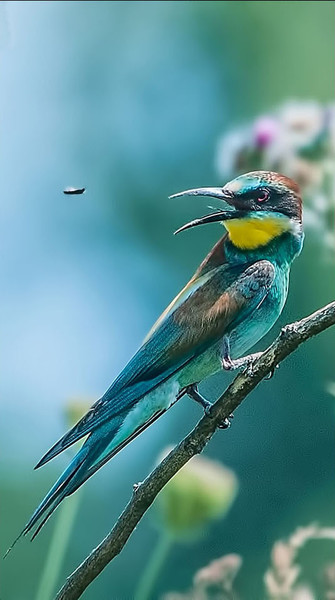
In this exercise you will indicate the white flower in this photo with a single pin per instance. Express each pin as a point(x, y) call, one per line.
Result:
point(230, 147)
point(301, 122)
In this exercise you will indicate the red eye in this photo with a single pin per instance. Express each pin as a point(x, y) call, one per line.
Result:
point(262, 195)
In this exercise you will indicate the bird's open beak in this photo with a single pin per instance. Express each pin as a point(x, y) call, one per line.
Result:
point(220, 215)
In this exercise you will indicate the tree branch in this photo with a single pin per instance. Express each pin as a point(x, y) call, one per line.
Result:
point(291, 336)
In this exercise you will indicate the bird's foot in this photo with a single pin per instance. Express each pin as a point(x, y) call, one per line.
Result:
point(136, 487)
point(288, 330)
point(192, 391)
point(228, 364)
point(231, 365)
point(225, 424)
point(247, 361)
point(272, 372)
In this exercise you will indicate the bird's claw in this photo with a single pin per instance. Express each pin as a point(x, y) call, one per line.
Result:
point(227, 364)
point(208, 409)
point(192, 391)
point(249, 365)
point(245, 363)
point(288, 329)
point(225, 424)
point(136, 487)
point(272, 372)
point(249, 370)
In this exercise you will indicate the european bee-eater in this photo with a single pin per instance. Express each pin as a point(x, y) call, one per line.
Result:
point(231, 302)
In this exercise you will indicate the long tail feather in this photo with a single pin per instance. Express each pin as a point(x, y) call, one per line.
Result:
point(63, 443)
point(60, 485)
point(54, 494)
point(97, 465)
point(74, 475)
point(95, 452)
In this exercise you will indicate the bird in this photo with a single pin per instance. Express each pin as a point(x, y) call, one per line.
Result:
point(233, 299)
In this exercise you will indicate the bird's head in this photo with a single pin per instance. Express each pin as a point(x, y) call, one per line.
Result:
point(263, 205)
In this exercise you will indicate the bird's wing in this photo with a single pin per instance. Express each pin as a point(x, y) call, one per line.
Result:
point(214, 259)
point(196, 320)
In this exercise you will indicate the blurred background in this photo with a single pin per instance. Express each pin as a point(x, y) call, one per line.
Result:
point(130, 100)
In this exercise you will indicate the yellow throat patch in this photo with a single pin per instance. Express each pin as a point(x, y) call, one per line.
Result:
point(249, 233)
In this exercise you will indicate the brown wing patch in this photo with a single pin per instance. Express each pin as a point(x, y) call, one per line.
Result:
point(208, 313)
point(215, 258)
point(205, 316)
point(225, 305)
point(208, 308)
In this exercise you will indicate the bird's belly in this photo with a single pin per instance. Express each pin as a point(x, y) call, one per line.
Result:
point(244, 337)
point(203, 366)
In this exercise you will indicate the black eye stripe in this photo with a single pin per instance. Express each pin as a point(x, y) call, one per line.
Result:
point(263, 195)
point(260, 195)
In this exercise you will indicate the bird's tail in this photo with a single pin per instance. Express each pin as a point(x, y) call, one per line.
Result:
point(79, 469)
point(101, 445)
point(58, 491)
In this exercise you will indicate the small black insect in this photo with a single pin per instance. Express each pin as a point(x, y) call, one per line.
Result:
point(71, 190)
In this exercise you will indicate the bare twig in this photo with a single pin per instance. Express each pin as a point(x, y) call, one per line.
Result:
point(145, 493)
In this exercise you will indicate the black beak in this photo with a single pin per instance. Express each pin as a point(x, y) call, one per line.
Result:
point(220, 216)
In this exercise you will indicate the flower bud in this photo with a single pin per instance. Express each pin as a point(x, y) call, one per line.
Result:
point(201, 491)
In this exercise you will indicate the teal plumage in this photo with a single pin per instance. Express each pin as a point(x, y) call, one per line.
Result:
point(235, 296)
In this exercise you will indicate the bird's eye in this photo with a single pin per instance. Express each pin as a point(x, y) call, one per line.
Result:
point(262, 195)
